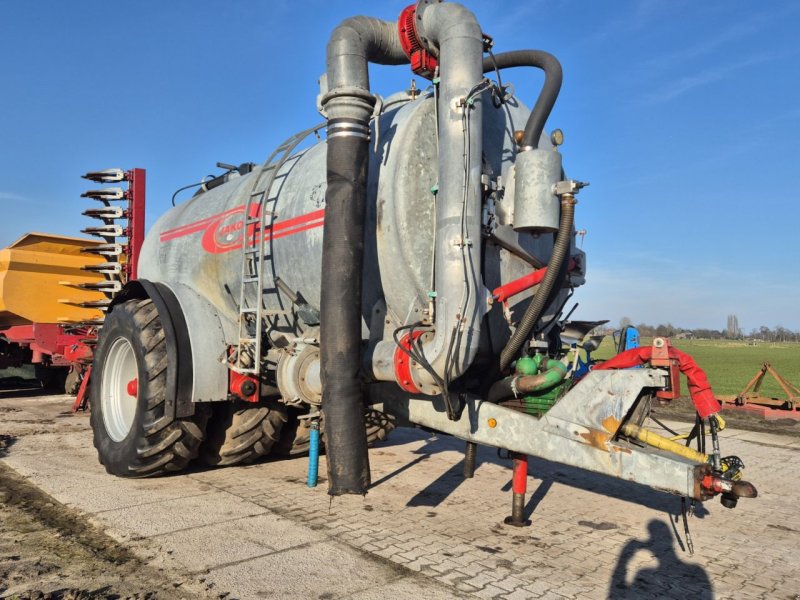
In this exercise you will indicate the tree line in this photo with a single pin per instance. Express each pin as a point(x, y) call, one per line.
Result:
point(779, 333)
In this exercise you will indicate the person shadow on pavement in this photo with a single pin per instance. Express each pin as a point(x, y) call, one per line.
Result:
point(672, 578)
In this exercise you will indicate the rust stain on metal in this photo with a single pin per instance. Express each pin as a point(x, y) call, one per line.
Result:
point(611, 424)
point(596, 438)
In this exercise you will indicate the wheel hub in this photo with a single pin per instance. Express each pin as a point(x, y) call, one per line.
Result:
point(119, 389)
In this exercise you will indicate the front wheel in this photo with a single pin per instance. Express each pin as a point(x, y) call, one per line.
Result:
point(133, 434)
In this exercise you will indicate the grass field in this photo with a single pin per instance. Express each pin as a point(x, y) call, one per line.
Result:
point(731, 364)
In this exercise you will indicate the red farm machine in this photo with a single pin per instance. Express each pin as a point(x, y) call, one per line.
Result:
point(409, 269)
point(54, 289)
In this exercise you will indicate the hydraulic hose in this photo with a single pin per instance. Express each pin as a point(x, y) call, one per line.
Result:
point(554, 271)
point(517, 385)
point(553, 77)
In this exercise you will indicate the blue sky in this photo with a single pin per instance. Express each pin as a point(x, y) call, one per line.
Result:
point(683, 115)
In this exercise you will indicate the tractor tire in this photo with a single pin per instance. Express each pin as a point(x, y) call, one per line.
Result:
point(241, 432)
point(296, 435)
point(128, 398)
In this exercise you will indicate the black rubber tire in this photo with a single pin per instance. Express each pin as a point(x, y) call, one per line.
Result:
point(296, 435)
point(154, 445)
point(240, 432)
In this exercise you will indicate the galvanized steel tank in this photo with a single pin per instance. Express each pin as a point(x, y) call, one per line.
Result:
point(199, 243)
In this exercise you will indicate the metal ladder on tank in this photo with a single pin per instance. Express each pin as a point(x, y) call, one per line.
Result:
point(247, 358)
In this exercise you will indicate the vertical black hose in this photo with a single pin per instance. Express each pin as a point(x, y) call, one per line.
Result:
point(534, 311)
point(547, 97)
point(340, 311)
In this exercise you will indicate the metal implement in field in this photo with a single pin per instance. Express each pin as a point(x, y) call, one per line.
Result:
point(411, 268)
point(55, 289)
point(770, 407)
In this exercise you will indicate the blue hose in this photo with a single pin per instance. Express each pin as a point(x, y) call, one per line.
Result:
point(313, 455)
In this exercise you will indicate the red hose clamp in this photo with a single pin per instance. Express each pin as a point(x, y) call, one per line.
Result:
point(402, 363)
point(423, 63)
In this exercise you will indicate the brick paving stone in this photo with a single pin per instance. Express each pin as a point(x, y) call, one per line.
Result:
point(417, 518)
point(510, 583)
point(490, 591)
point(539, 587)
point(519, 594)
point(481, 579)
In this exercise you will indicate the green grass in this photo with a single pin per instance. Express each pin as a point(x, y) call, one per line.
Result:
point(731, 364)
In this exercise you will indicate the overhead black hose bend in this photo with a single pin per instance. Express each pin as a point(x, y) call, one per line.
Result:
point(547, 97)
point(535, 309)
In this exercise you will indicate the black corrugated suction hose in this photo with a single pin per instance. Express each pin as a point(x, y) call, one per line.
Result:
point(340, 314)
point(547, 97)
point(554, 272)
point(553, 76)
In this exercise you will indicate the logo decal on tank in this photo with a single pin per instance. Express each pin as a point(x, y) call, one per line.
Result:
point(223, 232)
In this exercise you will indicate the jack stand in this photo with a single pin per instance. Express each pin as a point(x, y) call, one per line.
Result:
point(470, 454)
point(519, 486)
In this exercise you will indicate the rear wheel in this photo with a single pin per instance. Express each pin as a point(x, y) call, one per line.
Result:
point(241, 432)
point(133, 434)
point(296, 435)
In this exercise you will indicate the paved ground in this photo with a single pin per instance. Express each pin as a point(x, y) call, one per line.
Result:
point(423, 531)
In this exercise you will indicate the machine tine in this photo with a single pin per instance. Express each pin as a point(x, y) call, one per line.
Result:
point(109, 287)
point(106, 212)
point(104, 231)
point(100, 304)
point(104, 249)
point(112, 193)
point(106, 176)
point(107, 268)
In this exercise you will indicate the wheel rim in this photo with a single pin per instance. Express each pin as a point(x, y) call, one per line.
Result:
point(118, 404)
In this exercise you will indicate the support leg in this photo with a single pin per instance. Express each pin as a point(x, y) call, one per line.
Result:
point(470, 455)
point(519, 486)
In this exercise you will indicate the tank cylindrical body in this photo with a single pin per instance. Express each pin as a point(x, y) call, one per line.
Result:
point(199, 243)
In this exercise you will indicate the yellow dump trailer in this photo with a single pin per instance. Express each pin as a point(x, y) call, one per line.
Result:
point(33, 274)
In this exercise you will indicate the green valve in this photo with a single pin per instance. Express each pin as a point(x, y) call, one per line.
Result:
point(435, 190)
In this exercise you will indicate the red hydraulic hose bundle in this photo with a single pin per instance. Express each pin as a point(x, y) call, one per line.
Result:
point(699, 389)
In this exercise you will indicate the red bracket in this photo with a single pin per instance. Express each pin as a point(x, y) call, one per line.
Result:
point(82, 399)
point(423, 63)
point(661, 358)
point(402, 363)
point(243, 387)
point(136, 207)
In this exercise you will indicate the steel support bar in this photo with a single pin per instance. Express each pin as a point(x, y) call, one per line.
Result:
point(136, 212)
point(519, 486)
point(580, 430)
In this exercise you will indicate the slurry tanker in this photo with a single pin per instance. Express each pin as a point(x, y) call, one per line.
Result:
point(412, 268)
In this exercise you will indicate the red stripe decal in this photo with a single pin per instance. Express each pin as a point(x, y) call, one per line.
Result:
point(223, 232)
